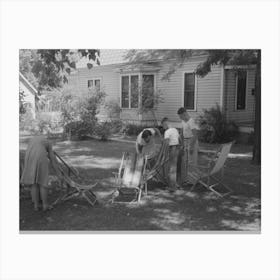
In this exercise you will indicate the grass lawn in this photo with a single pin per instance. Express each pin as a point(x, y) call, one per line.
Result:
point(160, 210)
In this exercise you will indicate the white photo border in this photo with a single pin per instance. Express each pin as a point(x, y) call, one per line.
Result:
point(139, 24)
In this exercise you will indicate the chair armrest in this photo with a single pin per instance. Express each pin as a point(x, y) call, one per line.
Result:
point(199, 166)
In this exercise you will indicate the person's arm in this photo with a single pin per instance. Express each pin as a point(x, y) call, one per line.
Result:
point(53, 159)
point(138, 148)
point(158, 133)
point(193, 139)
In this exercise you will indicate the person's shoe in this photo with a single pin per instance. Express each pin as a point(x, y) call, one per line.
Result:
point(47, 208)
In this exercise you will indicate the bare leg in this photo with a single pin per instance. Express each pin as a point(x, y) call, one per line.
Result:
point(35, 195)
point(44, 197)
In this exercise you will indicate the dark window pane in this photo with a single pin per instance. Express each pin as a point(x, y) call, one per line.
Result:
point(125, 91)
point(97, 84)
point(134, 92)
point(148, 91)
point(241, 90)
point(189, 91)
point(90, 83)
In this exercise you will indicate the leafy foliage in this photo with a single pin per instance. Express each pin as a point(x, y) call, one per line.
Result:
point(103, 130)
point(49, 68)
point(214, 127)
point(113, 109)
point(79, 115)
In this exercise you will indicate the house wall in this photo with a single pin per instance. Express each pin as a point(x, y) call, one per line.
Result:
point(110, 83)
point(239, 116)
point(208, 89)
point(28, 97)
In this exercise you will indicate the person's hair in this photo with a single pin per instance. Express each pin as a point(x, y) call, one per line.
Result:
point(146, 133)
point(181, 110)
point(164, 120)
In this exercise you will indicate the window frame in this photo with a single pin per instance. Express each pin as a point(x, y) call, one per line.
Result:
point(140, 78)
point(93, 82)
point(195, 90)
point(246, 92)
point(88, 83)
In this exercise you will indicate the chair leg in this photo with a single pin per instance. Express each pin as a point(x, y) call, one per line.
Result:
point(139, 195)
point(193, 186)
point(88, 199)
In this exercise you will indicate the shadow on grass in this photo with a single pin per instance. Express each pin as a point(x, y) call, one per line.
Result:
point(159, 211)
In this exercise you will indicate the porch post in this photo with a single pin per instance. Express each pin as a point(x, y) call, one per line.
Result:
point(222, 81)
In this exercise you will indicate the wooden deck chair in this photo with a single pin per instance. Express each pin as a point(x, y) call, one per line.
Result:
point(73, 189)
point(211, 176)
point(129, 179)
point(156, 171)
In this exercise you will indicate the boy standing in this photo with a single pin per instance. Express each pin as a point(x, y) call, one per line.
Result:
point(171, 135)
point(190, 139)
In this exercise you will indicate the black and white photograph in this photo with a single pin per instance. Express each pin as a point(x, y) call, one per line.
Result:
point(140, 139)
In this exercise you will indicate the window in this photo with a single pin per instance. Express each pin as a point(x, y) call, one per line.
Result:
point(134, 91)
point(148, 82)
point(241, 85)
point(189, 91)
point(97, 84)
point(90, 83)
point(125, 91)
point(130, 90)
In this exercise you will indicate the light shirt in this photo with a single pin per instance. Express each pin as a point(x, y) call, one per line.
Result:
point(141, 141)
point(173, 135)
point(188, 127)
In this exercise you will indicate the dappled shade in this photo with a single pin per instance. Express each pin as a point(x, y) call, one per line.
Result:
point(160, 210)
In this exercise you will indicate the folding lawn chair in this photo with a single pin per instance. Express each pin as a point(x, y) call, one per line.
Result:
point(129, 179)
point(73, 189)
point(211, 175)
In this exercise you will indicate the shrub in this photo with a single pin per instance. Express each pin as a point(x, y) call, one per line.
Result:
point(117, 126)
point(214, 127)
point(78, 129)
point(113, 109)
point(133, 129)
point(26, 121)
point(103, 130)
point(79, 114)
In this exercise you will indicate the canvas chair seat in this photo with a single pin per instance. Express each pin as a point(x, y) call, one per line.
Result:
point(129, 179)
point(73, 189)
point(211, 175)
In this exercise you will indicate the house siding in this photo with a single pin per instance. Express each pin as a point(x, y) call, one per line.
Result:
point(208, 89)
point(247, 115)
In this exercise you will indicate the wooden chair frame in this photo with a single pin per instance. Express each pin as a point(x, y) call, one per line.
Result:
point(119, 180)
point(211, 175)
point(78, 190)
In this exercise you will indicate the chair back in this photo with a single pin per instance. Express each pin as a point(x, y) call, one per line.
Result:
point(222, 156)
point(133, 170)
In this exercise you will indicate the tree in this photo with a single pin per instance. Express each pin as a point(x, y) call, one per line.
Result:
point(233, 57)
point(49, 68)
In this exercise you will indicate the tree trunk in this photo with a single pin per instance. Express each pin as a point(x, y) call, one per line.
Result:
point(257, 126)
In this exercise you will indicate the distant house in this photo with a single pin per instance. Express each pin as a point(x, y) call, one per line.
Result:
point(29, 93)
point(232, 90)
